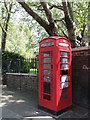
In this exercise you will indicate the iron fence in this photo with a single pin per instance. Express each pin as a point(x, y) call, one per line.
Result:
point(14, 63)
point(22, 65)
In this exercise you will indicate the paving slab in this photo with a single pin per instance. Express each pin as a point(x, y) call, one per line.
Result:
point(7, 113)
point(23, 105)
point(18, 104)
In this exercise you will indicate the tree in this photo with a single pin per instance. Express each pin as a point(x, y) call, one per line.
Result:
point(50, 28)
point(22, 41)
point(51, 25)
point(80, 11)
point(69, 20)
point(5, 18)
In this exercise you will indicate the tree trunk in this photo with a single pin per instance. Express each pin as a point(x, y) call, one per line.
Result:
point(4, 35)
point(5, 29)
point(50, 18)
point(71, 31)
point(69, 19)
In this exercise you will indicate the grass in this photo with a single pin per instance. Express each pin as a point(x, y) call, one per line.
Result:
point(33, 71)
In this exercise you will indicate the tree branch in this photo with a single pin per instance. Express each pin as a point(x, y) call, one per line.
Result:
point(55, 6)
point(65, 8)
point(33, 14)
point(8, 16)
point(50, 28)
point(57, 20)
point(83, 29)
point(2, 27)
point(70, 11)
point(42, 22)
point(5, 5)
point(47, 11)
point(69, 22)
point(64, 33)
point(67, 16)
point(61, 20)
point(50, 18)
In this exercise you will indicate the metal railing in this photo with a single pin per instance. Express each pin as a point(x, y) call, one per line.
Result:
point(19, 65)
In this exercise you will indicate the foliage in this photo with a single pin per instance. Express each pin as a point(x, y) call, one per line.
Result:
point(6, 9)
point(5, 63)
point(89, 18)
point(19, 36)
point(78, 11)
point(20, 40)
point(24, 33)
point(15, 63)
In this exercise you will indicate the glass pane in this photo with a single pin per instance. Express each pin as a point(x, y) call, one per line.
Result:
point(64, 60)
point(46, 87)
point(46, 65)
point(64, 78)
point(46, 72)
point(46, 78)
point(46, 54)
point(66, 84)
point(64, 54)
point(64, 65)
point(46, 59)
point(47, 97)
point(64, 72)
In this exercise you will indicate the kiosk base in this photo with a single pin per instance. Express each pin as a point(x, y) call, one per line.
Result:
point(54, 112)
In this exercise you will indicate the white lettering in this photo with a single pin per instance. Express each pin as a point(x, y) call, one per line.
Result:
point(63, 44)
point(47, 44)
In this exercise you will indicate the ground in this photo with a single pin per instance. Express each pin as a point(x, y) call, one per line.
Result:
point(23, 105)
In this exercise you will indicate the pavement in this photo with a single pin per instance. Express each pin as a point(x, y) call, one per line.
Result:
point(23, 105)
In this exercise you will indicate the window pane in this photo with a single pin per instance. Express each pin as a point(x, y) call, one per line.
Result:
point(66, 84)
point(46, 71)
point(64, 53)
point(64, 72)
point(46, 59)
point(64, 78)
point(46, 65)
point(46, 54)
point(64, 65)
point(46, 87)
point(64, 60)
point(46, 78)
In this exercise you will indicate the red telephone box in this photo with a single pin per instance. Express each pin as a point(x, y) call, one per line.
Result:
point(55, 84)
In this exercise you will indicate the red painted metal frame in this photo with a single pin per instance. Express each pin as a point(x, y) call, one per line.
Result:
point(56, 103)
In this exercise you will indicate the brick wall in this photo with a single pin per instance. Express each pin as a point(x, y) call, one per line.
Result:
point(22, 81)
point(80, 75)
